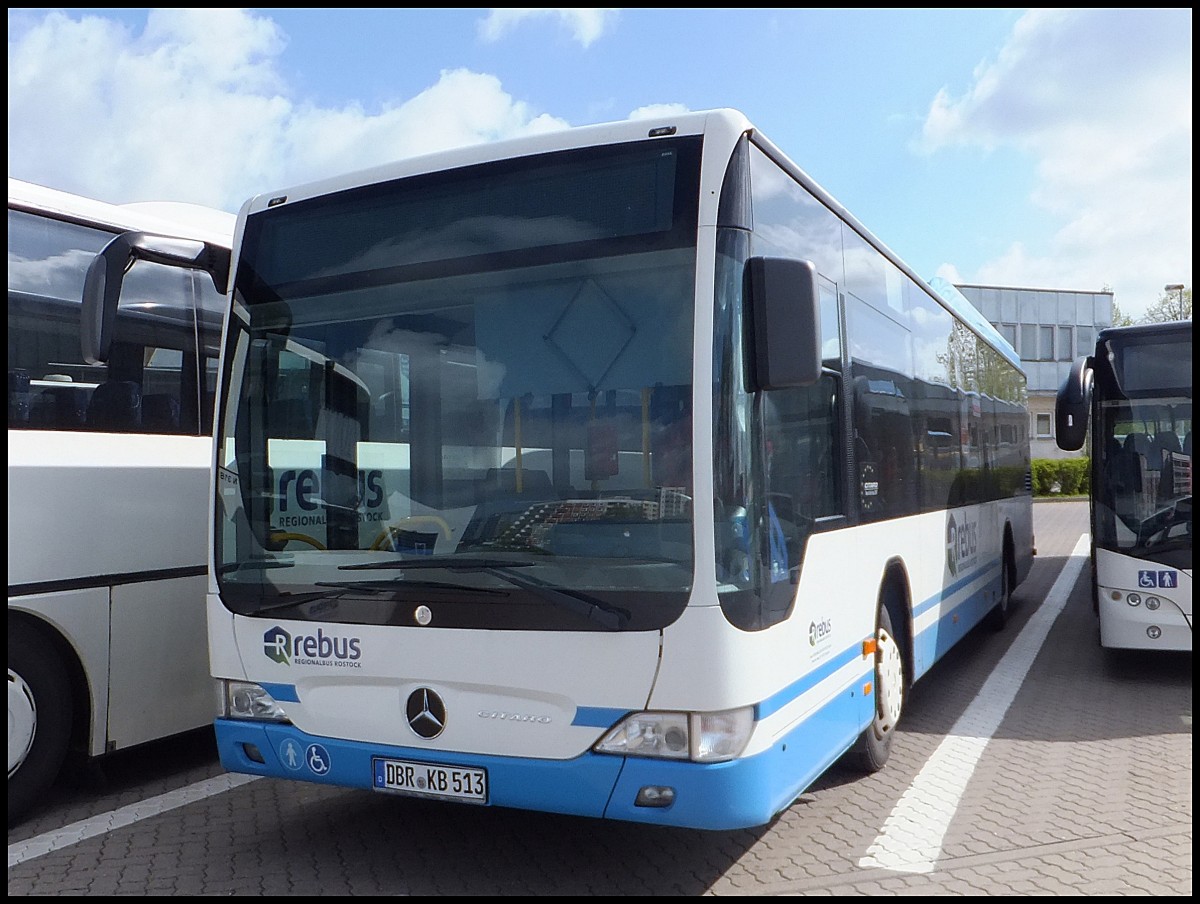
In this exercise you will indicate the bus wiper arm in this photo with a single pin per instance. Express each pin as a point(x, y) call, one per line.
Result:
point(402, 583)
point(609, 616)
point(454, 563)
point(612, 617)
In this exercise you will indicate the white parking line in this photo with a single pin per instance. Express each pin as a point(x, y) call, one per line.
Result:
point(911, 839)
point(21, 851)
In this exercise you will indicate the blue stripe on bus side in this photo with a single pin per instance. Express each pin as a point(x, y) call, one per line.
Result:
point(284, 693)
point(947, 592)
point(954, 623)
point(597, 716)
point(782, 698)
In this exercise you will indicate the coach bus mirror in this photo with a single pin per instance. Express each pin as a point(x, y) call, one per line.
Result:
point(1072, 406)
point(784, 328)
point(105, 275)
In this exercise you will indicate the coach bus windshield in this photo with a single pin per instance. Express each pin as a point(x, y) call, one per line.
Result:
point(1144, 446)
point(471, 389)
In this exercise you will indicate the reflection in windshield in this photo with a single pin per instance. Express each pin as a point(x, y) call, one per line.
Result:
point(1144, 498)
point(448, 406)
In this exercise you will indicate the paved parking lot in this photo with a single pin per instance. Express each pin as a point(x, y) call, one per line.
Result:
point(1075, 768)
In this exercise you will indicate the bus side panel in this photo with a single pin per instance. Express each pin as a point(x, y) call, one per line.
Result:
point(81, 618)
point(805, 664)
point(83, 505)
point(158, 652)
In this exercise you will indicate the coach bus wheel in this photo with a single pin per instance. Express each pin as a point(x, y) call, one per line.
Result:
point(39, 718)
point(870, 751)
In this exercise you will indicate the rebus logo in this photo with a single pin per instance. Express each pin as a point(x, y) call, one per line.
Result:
point(962, 542)
point(277, 644)
point(818, 631)
point(307, 487)
point(310, 649)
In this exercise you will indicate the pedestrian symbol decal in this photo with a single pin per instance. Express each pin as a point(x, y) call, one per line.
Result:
point(290, 754)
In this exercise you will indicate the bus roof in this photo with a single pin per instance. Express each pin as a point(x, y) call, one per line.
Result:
point(700, 122)
point(1140, 330)
point(193, 221)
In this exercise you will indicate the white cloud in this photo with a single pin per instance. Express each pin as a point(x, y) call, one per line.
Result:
point(586, 25)
point(195, 109)
point(1101, 100)
point(657, 111)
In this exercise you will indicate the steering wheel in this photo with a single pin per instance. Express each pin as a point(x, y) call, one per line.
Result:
point(385, 536)
point(280, 536)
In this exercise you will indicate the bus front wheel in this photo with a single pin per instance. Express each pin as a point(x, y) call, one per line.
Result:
point(870, 752)
point(39, 718)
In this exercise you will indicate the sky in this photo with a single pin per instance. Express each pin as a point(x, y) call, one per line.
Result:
point(1043, 148)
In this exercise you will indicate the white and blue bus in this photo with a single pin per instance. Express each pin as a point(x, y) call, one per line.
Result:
point(616, 472)
point(1133, 396)
point(109, 467)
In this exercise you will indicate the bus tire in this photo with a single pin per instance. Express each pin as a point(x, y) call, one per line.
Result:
point(870, 752)
point(39, 718)
point(997, 616)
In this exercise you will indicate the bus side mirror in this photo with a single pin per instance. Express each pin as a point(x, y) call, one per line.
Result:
point(1072, 406)
point(783, 332)
point(105, 275)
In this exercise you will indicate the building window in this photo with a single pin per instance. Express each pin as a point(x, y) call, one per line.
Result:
point(1029, 341)
point(1064, 343)
point(1042, 426)
point(1045, 343)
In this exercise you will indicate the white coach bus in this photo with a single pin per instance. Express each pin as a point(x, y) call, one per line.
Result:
point(617, 472)
point(108, 474)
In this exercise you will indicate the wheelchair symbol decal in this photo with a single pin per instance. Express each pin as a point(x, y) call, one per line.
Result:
point(1168, 579)
point(318, 759)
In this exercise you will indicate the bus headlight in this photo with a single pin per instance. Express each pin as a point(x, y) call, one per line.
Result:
point(702, 737)
point(246, 700)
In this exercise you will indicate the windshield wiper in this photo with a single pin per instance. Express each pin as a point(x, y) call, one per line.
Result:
point(404, 583)
point(614, 618)
point(454, 563)
point(605, 614)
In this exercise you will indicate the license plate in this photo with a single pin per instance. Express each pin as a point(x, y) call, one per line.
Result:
point(431, 780)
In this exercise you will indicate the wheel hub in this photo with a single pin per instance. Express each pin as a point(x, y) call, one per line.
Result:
point(890, 689)
point(22, 721)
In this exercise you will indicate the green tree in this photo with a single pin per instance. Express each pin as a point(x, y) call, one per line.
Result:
point(1120, 318)
point(1172, 305)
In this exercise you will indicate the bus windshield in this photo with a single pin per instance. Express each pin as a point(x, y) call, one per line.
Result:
point(473, 386)
point(1144, 450)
